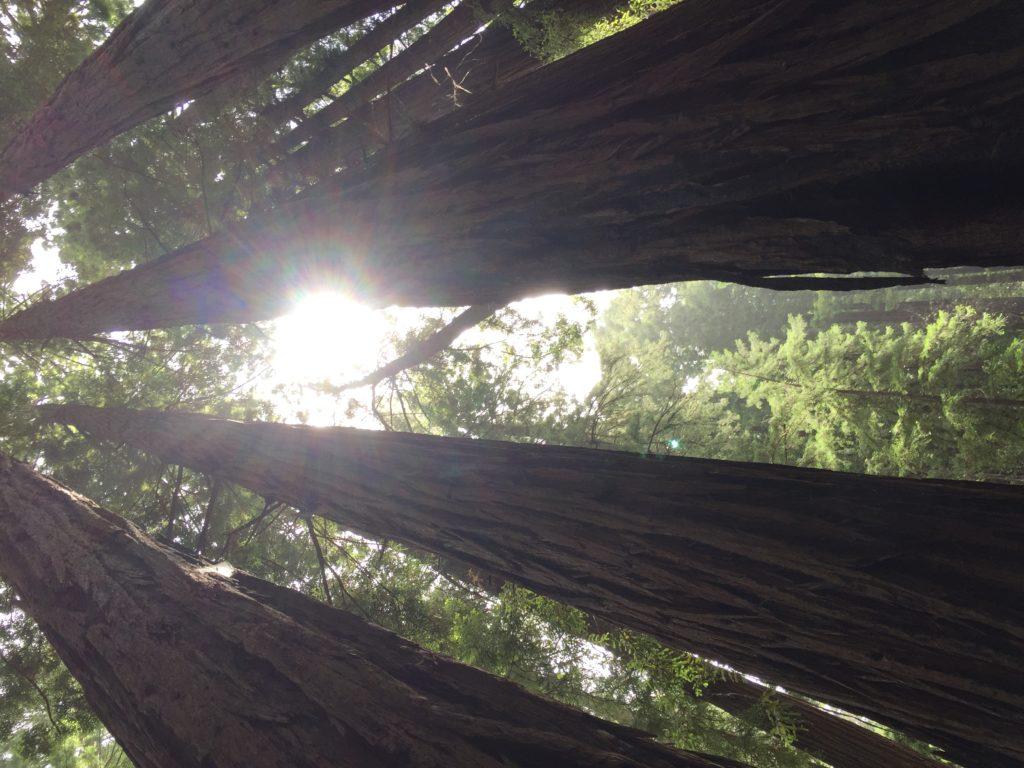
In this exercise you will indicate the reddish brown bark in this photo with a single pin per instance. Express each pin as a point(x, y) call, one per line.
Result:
point(898, 599)
point(163, 54)
point(724, 139)
point(194, 667)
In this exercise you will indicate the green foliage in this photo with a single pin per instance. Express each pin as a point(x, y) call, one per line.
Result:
point(942, 400)
point(681, 373)
point(551, 34)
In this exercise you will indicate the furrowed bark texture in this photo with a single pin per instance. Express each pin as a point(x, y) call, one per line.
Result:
point(163, 54)
point(720, 139)
point(188, 667)
point(898, 599)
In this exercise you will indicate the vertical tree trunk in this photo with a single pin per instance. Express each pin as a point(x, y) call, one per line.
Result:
point(164, 53)
point(894, 598)
point(193, 666)
point(719, 139)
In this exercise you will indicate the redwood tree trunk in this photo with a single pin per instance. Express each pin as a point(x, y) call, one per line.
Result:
point(191, 665)
point(164, 53)
point(720, 139)
point(898, 599)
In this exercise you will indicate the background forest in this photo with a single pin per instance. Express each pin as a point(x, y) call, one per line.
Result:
point(921, 381)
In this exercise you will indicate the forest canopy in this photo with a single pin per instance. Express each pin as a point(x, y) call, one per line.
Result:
point(920, 378)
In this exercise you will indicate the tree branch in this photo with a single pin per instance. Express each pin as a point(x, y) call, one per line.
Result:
point(425, 349)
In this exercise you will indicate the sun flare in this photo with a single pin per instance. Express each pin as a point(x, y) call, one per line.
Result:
point(328, 337)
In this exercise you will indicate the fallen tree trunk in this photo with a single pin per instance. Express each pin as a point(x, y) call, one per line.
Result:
point(193, 665)
point(164, 53)
point(893, 598)
point(720, 139)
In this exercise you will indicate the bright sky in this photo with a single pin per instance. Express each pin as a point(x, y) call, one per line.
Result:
point(330, 337)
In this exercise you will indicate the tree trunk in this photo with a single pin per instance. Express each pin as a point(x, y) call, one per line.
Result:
point(164, 53)
point(897, 599)
point(720, 139)
point(191, 665)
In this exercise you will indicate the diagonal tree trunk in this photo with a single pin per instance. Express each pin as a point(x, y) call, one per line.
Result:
point(195, 666)
point(164, 53)
point(897, 599)
point(720, 139)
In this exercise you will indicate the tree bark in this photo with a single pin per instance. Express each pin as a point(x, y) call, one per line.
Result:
point(164, 53)
point(720, 139)
point(893, 598)
point(192, 665)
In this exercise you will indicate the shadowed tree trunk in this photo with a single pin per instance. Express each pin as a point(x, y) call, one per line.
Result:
point(720, 139)
point(195, 666)
point(894, 598)
point(164, 53)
